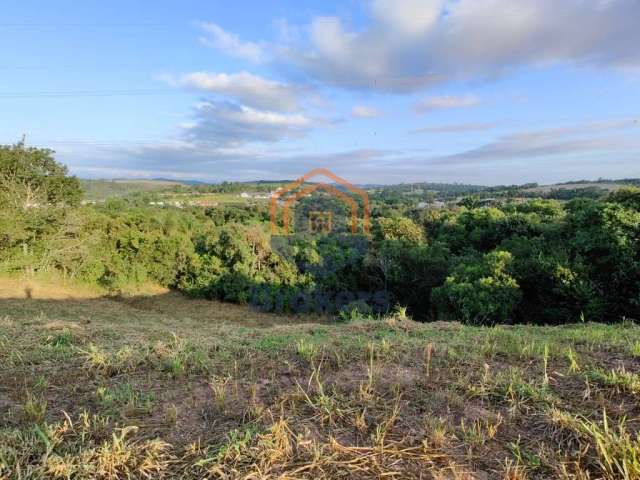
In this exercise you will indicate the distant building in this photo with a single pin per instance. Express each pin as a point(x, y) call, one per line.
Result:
point(434, 204)
point(206, 203)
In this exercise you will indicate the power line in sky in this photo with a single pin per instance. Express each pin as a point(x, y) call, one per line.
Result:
point(107, 143)
point(92, 25)
point(79, 66)
point(91, 93)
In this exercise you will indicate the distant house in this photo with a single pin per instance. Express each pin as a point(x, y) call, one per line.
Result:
point(245, 195)
point(434, 204)
point(206, 203)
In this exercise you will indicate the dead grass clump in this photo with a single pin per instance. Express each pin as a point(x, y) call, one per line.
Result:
point(81, 449)
point(564, 429)
point(34, 408)
point(282, 453)
point(617, 449)
point(117, 457)
point(126, 359)
point(5, 321)
point(514, 471)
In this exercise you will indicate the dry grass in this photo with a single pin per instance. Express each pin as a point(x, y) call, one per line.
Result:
point(160, 386)
point(20, 288)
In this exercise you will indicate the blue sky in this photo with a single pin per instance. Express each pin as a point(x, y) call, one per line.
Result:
point(384, 91)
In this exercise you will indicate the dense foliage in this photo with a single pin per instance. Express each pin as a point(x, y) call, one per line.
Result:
point(539, 261)
point(30, 177)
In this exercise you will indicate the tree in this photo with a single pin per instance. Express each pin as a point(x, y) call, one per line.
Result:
point(408, 272)
point(400, 228)
point(627, 197)
point(555, 287)
point(470, 202)
point(605, 239)
point(30, 177)
point(480, 290)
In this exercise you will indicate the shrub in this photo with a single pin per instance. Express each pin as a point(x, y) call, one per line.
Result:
point(480, 290)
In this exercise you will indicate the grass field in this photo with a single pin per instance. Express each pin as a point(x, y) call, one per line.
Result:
point(210, 198)
point(159, 386)
point(99, 190)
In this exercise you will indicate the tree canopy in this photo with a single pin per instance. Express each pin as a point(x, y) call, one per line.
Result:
point(30, 177)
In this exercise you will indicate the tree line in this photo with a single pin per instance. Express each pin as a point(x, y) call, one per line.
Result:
point(538, 261)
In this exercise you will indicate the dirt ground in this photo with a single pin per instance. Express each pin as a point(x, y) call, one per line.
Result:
point(157, 385)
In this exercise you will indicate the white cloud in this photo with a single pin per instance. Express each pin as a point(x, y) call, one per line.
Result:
point(457, 128)
point(210, 162)
point(590, 150)
point(410, 44)
point(446, 102)
point(550, 142)
point(408, 17)
point(249, 89)
point(364, 111)
point(354, 60)
point(231, 44)
point(227, 124)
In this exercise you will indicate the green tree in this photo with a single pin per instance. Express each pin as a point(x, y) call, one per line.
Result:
point(480, 290)
point(605, 240)
point(400, 228)
point(408, 272)
point(470, 202)
point(627, 197)
point(30, 177)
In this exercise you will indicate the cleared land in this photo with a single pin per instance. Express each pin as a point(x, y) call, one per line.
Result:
point(156, 385)
point(212, 198)
point(97, 190)
point(608, 186)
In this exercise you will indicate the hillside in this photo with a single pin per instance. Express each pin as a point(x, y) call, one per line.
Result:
point(611, 186)
point(96, 190)
point(160, 386)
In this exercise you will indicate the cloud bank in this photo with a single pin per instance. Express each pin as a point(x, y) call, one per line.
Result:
point(230, 124)
point(244, 87)
point(411, 44)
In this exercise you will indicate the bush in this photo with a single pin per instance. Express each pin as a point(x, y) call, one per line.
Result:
point(480, 290)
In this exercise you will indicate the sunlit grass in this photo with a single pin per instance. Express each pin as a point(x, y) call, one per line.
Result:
point(161, 386)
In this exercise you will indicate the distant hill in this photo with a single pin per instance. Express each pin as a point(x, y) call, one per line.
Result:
point(564, 191)
point(608, 185)
point(96, 190)
point(179, 182)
